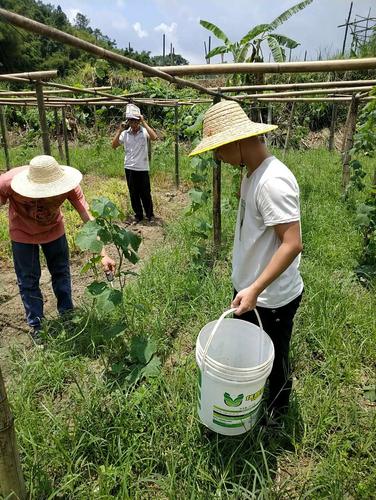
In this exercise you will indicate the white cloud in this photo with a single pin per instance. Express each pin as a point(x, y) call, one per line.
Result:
point(72, 13)
point(120, 3)
point(165, 28)
point(138, 29)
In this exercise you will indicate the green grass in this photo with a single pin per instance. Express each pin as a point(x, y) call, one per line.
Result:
point(82, 436)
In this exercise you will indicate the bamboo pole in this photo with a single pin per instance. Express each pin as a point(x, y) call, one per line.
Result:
point(332, 127)
point(55, 34)
point(58, 135)
point(4, 134)
point(173, 103)
point(95, 119)
point(289, 129)
point(217, 202)
point(33, 75)
point(42, 118)
point(298, 93)
point(31, 93)
point(296, 86)
point(176, 124)
point(286, 67)
point(12, 485)
point(65, 134)
point(349, 140)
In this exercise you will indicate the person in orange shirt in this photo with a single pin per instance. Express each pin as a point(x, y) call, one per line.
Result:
point(35, 194)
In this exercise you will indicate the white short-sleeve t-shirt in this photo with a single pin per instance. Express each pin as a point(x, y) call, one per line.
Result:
point(269, 196)
point(136, 149)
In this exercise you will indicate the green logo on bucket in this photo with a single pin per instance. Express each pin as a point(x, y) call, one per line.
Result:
point(233, 402)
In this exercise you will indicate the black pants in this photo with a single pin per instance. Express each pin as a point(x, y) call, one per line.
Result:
point(139, 191)
point(278, 325)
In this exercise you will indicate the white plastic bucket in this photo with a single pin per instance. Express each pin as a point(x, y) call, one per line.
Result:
point(235, 358)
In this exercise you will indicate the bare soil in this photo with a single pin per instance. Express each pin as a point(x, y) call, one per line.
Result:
point(13, 327)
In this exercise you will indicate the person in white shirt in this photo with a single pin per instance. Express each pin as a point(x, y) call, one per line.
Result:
point(267, 242)
point(136, 162)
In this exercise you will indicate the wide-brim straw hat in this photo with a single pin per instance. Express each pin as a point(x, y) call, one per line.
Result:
point(226, 122)
point(44, 178)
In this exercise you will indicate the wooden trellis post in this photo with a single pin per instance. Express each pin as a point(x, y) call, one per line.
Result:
point(176, 123)
point(65, 134)
point(332, 127)
point(4, 134)
point(216, 201)
point(289, 129)
point(58, 135)
point(42, 118)
point(348, 139)
point(95, 119)
point(12, 485)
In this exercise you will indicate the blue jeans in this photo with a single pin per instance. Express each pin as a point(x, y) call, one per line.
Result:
point(27, 267)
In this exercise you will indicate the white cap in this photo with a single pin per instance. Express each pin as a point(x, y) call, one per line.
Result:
point(132, 111)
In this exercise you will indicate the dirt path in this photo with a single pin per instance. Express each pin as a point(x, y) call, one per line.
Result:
point(13, 327)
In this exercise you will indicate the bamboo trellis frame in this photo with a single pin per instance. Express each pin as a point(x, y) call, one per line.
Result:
point(337, 65)
point(296, 86)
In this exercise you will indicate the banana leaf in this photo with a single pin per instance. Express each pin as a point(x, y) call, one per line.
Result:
point(215, 30)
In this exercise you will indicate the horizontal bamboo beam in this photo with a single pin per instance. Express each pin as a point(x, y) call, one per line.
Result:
point(66, 38)
point(295, 86)
point(31, 93)
point(305, 92)
point(309, 99)
point(34, 75)
point(337, 65)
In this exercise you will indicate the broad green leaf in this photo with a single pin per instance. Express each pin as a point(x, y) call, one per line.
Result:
point(255, 31)
point(286, 41)
point(275, 48)
point(115, 296)
point(195, 161)
point(287, 14)
point(152, 369)
point(97, 288)
point(242, 53)
point(105, 235)
point(131, 256)
point(134, 240)
point(198, 197)
point(135, 373)
point(87, 237)
point(222, 49)
point(215, 30)
point(114, 331)
point(197, 179)
point(103, 207)
point(91, 263)
point(142, 349)
point(195, 128)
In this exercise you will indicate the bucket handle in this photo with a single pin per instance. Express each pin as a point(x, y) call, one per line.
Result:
point(217, 325)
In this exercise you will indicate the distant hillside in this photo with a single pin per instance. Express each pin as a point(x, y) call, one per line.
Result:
point(22, 51)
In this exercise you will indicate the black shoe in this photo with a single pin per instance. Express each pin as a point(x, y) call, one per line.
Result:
point(36, 337)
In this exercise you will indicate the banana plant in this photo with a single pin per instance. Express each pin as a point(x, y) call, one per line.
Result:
point(249, 48)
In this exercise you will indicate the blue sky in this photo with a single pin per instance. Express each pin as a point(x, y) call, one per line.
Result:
point(143, 22)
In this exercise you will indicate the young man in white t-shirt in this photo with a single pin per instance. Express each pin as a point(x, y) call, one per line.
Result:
point(136, 162)
point(267, 242)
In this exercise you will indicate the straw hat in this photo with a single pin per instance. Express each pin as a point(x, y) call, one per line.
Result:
point(45, 178)
point(226, 122)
